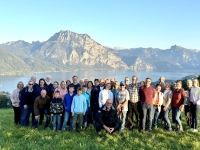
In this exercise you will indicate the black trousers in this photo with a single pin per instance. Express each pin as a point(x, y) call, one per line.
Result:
point(17, 115)
point(188, 115)
point(134, 108)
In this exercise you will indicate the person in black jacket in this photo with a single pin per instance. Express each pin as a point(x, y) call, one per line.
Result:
point(107, 118)
point(56, 110)
point(95, 98)
point(27, 101)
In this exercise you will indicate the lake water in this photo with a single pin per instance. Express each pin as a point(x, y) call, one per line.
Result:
point(8, 83)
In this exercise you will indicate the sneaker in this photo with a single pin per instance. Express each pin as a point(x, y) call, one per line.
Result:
point(150, 130)
point(195, 130)
point(155, 127)
point(121, 129)
point(191, 130)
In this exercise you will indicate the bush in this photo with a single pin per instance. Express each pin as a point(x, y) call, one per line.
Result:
point(4, 102)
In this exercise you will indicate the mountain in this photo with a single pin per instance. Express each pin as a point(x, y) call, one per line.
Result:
point(70, 51)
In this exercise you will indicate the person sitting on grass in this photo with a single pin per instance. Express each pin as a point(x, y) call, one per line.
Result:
point(87, 97)
point(78, 109)
point(107, 118)
point(42, 104)
point(67, 104)
point(56, 109)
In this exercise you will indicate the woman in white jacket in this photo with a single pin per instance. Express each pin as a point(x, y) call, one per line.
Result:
point(157, 103)
point(104, 95)
point(195, 104)
point(15, 102)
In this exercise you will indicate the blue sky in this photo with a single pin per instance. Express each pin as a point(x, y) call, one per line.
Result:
point(155, 23)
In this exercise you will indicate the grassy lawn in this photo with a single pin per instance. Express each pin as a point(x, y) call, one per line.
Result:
point(17, 138)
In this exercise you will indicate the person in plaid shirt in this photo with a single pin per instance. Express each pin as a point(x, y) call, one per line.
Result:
point(133, 104)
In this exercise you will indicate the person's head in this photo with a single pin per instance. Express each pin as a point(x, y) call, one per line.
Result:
point(75, 79)
point(63, 85)
point(109, 103)
point(30, 84)
point(102, 82)
point(68, 82)
point(71, 89)
point(167, 86)
point(122, 85)
point(55, 84)
point(112, 81)
point(127, 80)
point(43, 93)
point(179, 84)
point(174, 86)
point(96, 82)
point(189, 83)
point(134, 79)
point(84, 88)
point(48, 79)
point(108, 86)
point(196, 82)
point(158, 87)
point(81, 82)
point(33, 78)
point(107, 81)
point(86, 81)
point(57, 94)
point(20, 85)
point(162, 79)
point(148, 81)
point(89, 84)
point(79, 91)
point(42, 82)
point(142, 83)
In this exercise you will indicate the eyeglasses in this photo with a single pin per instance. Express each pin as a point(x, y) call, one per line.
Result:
point(30, 84)
point(108, 103)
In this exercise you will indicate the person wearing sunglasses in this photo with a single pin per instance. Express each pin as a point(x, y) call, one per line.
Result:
point(26, 104)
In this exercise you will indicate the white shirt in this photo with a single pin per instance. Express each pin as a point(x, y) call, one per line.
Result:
point(104, 95)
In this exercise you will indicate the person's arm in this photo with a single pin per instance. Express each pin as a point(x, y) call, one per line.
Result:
point(184, 97)
point(88, 100)
point(65, 102)
point(84, 105)
point(12, 97)
point(72, 106)
point(169, 99)
point(100, 97)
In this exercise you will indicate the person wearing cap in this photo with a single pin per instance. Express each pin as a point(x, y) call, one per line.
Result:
point(122, 98)
point(133, 104)
point(104, 95)
point(147, 94)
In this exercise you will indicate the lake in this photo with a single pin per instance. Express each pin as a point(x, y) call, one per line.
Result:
point(8, 83)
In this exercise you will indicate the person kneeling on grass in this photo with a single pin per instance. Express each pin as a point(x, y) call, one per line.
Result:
point(78, 109)
point(41, 104)
point(56, 109)
point(107, 118)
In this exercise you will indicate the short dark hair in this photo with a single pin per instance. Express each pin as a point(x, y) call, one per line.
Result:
point(56, 82)
point(148, 78)
point(71, 86)
point(84, 86)
point(74, 77)
point(158, 85)
point(79, 89)
point(57, 92)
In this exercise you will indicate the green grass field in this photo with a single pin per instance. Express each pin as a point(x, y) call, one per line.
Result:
point(16, 138)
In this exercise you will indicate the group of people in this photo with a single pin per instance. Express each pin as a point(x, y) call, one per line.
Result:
point(106, 103)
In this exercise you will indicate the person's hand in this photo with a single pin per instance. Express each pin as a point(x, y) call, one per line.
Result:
point(107, 129)
point(165, 108)
point(25, 106)
point(36, 117)
point(14, 102)
point(83, 114)
point(60, 114)
point(181, 107)
point(111, 130)
point(72, 114)
point(51, 115)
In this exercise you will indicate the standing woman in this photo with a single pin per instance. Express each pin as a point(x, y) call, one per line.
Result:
point(167, 99)
point(15, 102)
point(178, 101)
point(195, 104)
point(89, 87)
point(157, 103)
point(62, 89)
point(115, 88)
point(89, 90)
point(68, 82)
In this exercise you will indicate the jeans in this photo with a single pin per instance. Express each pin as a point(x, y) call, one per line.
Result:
point(177, 114)
point(155, 116)
point(24, 112)
point(66, 117)
point(195, 110)
point(133, 108)
point(147, 108)
point(86, 116)
point(75, 118)
point(17, 114)
point(166, 117)
point(45, 111)
point(95, 109)
point(30, 111)
point(56, 121)
point(98, 127)
point(122, 117)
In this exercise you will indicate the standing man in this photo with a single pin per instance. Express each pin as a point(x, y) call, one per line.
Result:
point(33, 78)
point(102, 84)
point(134, 104)
point(147, 94)
point(187, 107)
point(49, 85)
point(75, 84)
point(162, 83)
point(127, 81)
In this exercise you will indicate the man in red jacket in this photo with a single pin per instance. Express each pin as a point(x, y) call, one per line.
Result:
point(147, 93)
